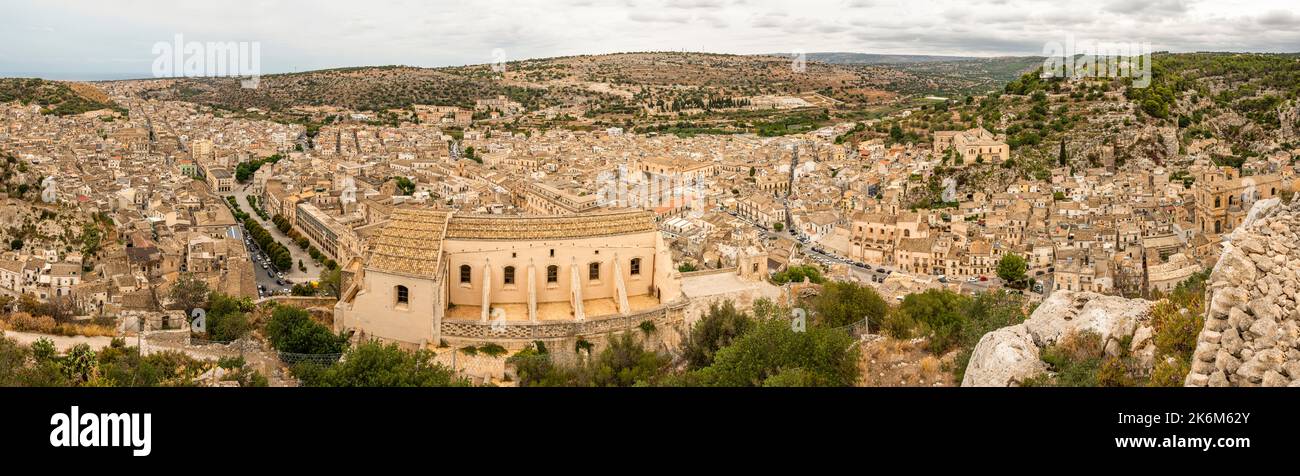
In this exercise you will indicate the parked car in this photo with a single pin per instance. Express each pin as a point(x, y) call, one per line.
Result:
point(972, 279)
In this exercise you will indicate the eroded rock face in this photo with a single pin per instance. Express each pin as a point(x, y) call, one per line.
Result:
point(1003, 358)
point(1252, 326)
point(1009, 355)
point(1065, 313)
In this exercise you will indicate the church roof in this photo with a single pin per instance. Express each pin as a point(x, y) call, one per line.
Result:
point(550, 227)
point(410, 244)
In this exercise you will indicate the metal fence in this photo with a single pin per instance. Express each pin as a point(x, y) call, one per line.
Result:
point(290, 358)
point(857, 329)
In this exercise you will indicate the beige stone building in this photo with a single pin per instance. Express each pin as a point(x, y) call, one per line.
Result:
point(972, 146)
point(431, 276)
point(1223, 196)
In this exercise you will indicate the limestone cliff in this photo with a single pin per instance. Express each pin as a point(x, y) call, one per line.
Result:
point(1008, 356)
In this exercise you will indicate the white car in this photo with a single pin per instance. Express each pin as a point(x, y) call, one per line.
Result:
point(972, 279)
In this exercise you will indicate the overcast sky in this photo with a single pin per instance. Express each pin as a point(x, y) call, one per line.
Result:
point(116, 37)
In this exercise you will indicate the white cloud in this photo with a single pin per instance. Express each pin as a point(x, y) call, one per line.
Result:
point(75, 35)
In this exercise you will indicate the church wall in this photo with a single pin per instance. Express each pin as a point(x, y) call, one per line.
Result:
point(375, 308)
point(518, 254)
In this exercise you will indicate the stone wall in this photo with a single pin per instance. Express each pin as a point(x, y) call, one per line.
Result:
point(1252, 324)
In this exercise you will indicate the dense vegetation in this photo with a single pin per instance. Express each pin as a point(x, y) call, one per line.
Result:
point(279, 254)
point(373, 364)
point(725, 348)
point(292, 330)
point(245, 170)
point(799, 274)
point(41, 365)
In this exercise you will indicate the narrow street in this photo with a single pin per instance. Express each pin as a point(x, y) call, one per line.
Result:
point(293, 274)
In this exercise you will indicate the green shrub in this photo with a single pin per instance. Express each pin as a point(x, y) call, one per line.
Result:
point(1169, 373)
point(715, 330)
point(291, 329)
point(582, 345)
point(799, 274)
point(842, 303)
point(372, 364)
point(898, 325)
point(773, 348)
point(1175, 330)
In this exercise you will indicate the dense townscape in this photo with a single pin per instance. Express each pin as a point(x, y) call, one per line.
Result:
point(516, 242)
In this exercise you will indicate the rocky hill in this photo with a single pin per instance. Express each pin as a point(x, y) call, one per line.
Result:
point(1014, 356)
point(1240, 110)
point(1251, 336)
point(55, 97)
point(1247, 336)
point(627, 79)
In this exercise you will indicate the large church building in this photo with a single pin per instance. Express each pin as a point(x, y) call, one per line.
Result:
point(433, 275)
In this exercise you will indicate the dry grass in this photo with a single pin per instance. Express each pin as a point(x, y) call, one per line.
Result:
point(24, 322)
point(888, 362)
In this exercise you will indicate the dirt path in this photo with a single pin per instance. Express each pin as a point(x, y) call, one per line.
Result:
point(62, 343)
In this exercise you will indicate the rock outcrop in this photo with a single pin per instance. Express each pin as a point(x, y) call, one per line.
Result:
point(1252, 323)
point(1010, 355)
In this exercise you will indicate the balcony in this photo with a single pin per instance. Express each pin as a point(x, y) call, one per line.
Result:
point(566, 327)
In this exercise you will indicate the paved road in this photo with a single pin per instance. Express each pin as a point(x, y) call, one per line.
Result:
point(292, 275)
point(873, 273)
point(313, 270)
point(63, 343)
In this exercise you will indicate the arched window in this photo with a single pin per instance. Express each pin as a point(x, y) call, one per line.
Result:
point(552, 274)
point(1216, 202)
point(465, 273)
point(403, 295)
point(509, 275)
point(636, 266)
point(593, 271)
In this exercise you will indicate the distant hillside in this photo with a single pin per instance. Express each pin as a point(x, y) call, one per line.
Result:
point(1240, 110)
point(868, 58)
point(616, 83)
point(1247, 102)
point(364, 88)
point(963, 77)
point(57, 98)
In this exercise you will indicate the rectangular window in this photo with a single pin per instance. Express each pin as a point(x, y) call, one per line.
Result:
point(636, 266)
point(593, 271)
point(552, 274)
